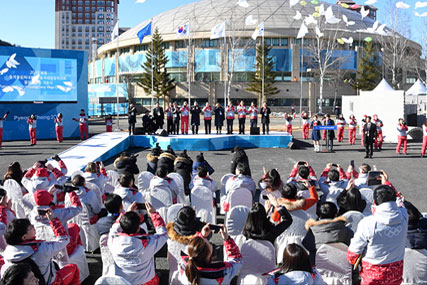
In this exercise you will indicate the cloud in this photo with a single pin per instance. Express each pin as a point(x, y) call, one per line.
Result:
point(140, 1)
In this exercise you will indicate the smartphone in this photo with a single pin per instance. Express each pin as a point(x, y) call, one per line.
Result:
point(334, 165)
point(141, 206)
point(215, 228)
point(57, 186)
point(265, 197)
point(374, 178)
point(301, 163)
point(42, 212)
point(352, 163)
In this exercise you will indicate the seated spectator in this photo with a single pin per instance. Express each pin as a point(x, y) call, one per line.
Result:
point(271, 183)
point(161, 180)
point(114, 206)
point(6, 216)
point(126, 163)
point(242, 179)
point(127, 192)
point(88, 198)
point(258, 225)
point(417, 228)
point(332, 182)
point(361, 178)
point(382, 237)
point(24, 248)
point(329, 228)
point(19, 274)
point(167, 159)
point(133, 253)
point(296, 268)
point(302, 172)
point(152, 158)
point(203, 179)
point(240, 157)
point(14, 172)
point(43, 175)
point(183, 166)
point(198, 267)
point(350, 200)
point(201, 162)
point(95, 173)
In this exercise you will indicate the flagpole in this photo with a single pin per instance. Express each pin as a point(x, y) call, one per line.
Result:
point(152, 67)
point(225, 65)
point(302, 67)
point(263, 69)
point(118, 79)
point(190, 57)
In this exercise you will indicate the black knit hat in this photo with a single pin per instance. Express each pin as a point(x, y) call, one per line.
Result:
point(187, 223)
point(170, 150)
point(156, 151)
point(184, 154)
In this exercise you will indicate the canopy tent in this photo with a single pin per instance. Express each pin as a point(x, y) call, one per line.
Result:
point(383, 86)
point(417, 89)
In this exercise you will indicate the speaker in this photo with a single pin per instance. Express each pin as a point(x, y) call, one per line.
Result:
point(255, 131)
point(161, 132)
point(139, 131)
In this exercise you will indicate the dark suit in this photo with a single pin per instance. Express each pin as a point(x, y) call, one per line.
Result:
point(159, 117)
point(370, 133)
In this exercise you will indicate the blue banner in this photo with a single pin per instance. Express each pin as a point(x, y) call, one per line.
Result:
point(326, 128)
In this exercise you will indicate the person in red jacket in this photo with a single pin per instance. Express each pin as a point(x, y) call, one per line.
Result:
point(305, 125)
point(340, 127)
point(423, 149)
point(207, 116)
point(32, 127)
point(288, 123)
point(253, 115)
point(1, 126)
point(185, 115)
point(59, 128)
point(379, 139)
point(402, 129)
point(352, 124)
point(82, 124)
point(229, 113)
point(241, 113)
point(109, 124)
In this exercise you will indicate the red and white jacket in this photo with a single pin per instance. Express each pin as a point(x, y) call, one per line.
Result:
point(168, 111)
point(402, 129)
point(207, 113)
point(32, 124)
point(2, 119)
point(352, 124)
point(185, 111)
point(288, 122)
point(108, 122)
point(341, 123)
point(305, 120)
point(241, 111)
point(58, 122)
point(83, 119)
point(424, 131)
point(253, 111)
point(229, 113)
point(379, 124)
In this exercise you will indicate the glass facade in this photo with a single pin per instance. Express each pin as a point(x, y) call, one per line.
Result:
point(207, 60)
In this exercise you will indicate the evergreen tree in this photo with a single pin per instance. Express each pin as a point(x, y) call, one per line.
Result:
point(368, 74)
point(162, 82)
point(255, 84)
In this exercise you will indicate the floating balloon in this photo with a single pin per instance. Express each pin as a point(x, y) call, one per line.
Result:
point(368, 39)
point(314, 2)
point(317, 8)
point(316, 15)
point(340, 41)
point(303, 3)
point(345, 5)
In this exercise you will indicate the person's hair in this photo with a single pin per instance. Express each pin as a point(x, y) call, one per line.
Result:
point(289, 191)
point(125, 154)
point(295, 258)
point(60, 115)
point(365, 168)
point(130, 222)
point(257, 222)
point(161, 172)
point(333, 175)
point(78, 180)
point(414, 215)
point(425, 123)
point(273, 177)
point(303, 171)
point(202, 172)
point(198, 252)
point(16, 274)
point(351, 200)
point(15, 230)
point(82, 110)
point(326, 210)
point(126, 180)
point(14, 171)
point(91, 167)
point(242, 168)
point(383, 194)
point(2, 192)
point(369, 117)
point(112, 203)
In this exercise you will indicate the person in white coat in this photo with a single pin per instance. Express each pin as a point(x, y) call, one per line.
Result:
point(127, 192)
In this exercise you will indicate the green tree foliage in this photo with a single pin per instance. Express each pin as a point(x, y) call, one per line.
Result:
point(368, 74)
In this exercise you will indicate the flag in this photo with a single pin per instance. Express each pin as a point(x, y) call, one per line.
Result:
point(115, 32)
point(183, 30)
point(146, 31)
point(259, 31)
point(218, 31)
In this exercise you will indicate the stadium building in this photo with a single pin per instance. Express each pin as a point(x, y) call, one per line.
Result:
point(296, 74)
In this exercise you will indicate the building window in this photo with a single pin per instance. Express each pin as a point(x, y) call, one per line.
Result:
point(87, 15)
point(100, 35)
point(93, 3)
point(166, 45)
point(93, 9)
point(80, 9)
point(80, 2)
point(101, 3)
point(100, 16)
point(140, 48)
point(87, 9)
point(80, 21)
point(276, 42)
point(209, 43)
point(100, 22)
point(100, 29)
point(93, 21)
point(124, 50)
point(74, 21)
point(87, 3)
point(80, 15)
point(285, 42)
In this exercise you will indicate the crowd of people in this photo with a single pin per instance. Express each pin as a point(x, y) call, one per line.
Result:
point(48, 219)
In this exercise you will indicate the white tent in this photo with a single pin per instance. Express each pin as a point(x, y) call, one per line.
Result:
point(417, 89)
point(383, 86)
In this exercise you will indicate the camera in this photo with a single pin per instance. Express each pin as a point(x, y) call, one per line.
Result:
point(42, 212)
point(215, 228)
point(141, 206)
point(42, 163)
point(67, 187)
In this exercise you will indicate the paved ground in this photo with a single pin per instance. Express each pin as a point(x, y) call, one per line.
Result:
point(406, 171)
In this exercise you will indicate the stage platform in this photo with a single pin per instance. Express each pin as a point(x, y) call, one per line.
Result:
point(107, 145)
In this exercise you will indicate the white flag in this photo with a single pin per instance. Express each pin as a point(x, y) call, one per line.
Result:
point(115, 32)
point(259, 31)
point(302, 31)
point(218, 31)
point(183, 30)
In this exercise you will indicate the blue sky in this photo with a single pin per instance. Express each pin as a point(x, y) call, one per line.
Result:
point(31, 23)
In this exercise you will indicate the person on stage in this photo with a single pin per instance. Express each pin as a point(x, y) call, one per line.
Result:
point(330, 133)
point(109, 124)
point(230, 118)
point(159, 116)
point(379, 139)
point(176, 118)
point(265, 118)
point(1, 126)
point(169, 118)
point(340, 128)
point(207, 117)
point(402, 128)
point(324, 131)
point(195, 118)
point(253, 115)
point(185, 114)
point(288, 123)
point(305, 120)
point(219, 118)
point(362, 125)
point(59, 128)
point(315, 134)
point(293, 113)
point(369, 135)
point(241, 112)
point(32, 127)
point(82, 124)
point(131, 119)
point(352, 124)
point(423, 149)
